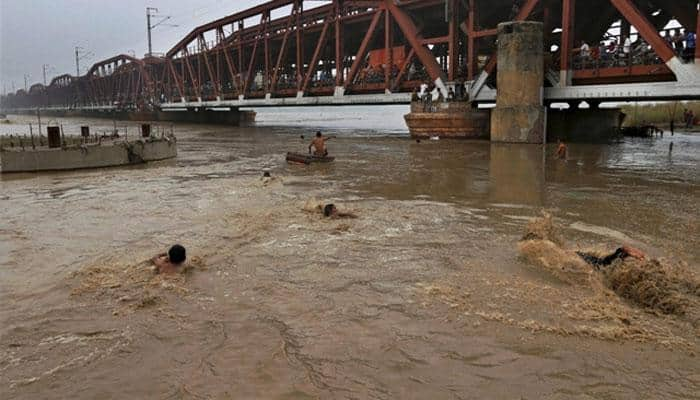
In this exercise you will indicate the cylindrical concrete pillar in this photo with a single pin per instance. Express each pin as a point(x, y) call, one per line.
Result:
point(519, 116)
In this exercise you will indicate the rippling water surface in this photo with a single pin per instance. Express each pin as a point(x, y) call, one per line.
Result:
point(422, 296)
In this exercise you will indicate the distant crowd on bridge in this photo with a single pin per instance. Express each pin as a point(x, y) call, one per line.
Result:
point(623, 51)
point(429, 96)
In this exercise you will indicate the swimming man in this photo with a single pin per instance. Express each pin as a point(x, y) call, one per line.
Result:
point(331, 211)
point(170, 262)
point(620, 254)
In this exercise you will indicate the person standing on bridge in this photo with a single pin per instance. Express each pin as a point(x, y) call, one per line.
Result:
point(612, 49)
point(514, 11)
point(690, 43)
point(678, 44)
point(423, 94)
point(690, 120)
point(627, 49)
point(585, 51)
point(319, 145)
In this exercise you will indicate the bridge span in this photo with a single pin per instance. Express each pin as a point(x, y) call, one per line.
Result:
point(344, 52)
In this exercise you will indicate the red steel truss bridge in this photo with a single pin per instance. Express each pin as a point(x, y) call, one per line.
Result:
point(296, 52)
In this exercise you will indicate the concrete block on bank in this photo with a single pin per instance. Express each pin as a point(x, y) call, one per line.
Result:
point(87, 156)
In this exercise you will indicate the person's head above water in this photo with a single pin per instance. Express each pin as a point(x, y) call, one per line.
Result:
point(626, 251)
point(177, 254)
point(328, 210)
point(319, 134)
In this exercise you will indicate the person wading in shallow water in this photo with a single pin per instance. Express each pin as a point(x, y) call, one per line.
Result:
point(562, 150)
point(172, 261)
point(319, 145)
point(620, 254)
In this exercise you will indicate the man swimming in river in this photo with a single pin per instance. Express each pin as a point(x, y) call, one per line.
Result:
point(331, 211)
point(319, 145)
point(620, 254)
point(170, 262)
point(542, 239)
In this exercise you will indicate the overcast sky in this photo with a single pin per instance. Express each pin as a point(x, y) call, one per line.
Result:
point(38, 32)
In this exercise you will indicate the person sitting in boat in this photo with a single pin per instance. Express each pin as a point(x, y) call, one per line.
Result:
point(172, 261)
point(331, 211)
point(319, 145)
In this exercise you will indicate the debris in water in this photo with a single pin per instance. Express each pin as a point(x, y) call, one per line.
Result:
point(147, 300)
point(133, 286)
point(542, 245)
point(313, 206)
point(543, 229)
point(567, 266)
point(340, 229)
point(654, 284)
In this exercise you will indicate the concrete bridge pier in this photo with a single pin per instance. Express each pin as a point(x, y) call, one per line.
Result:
point(519, 116)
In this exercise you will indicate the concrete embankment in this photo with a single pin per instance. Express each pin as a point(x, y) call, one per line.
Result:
point(87, 156)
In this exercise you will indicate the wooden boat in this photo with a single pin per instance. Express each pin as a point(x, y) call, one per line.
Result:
point(307, 158)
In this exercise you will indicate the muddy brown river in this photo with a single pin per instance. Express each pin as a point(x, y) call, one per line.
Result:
point(423, 296)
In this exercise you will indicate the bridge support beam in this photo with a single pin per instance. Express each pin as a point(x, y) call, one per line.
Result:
point(519, 116)
point(567, 41)
point(527, 8)
point(416, 40)
point(697, 31)
point(687, 74)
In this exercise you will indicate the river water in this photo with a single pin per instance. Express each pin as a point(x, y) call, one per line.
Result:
point(423, 295)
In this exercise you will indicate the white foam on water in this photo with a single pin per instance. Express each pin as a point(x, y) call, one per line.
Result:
point(603, 231)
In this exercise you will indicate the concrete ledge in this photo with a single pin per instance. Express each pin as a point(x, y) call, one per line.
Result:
point(204, 116)
point(90, 156)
